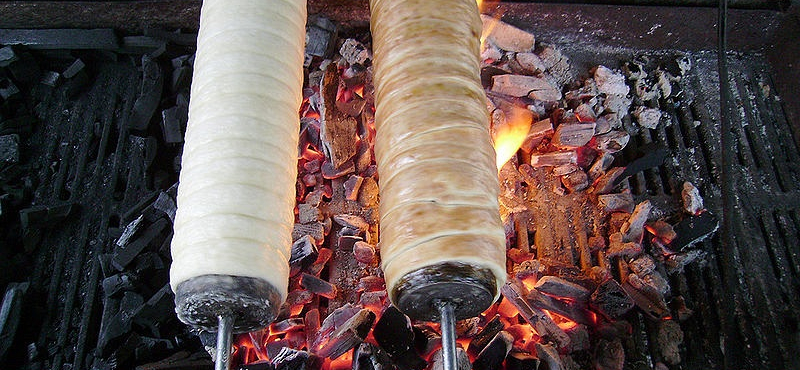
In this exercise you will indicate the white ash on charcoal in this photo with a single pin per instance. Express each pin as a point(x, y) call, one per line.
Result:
point(506, 36)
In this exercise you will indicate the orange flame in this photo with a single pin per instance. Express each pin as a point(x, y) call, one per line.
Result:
point(509, 135)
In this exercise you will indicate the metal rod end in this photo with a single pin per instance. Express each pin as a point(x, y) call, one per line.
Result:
point(448, 322)
point(222, 359)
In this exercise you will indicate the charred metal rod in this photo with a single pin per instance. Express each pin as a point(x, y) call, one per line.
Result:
point(448, 322)
point(224, 339)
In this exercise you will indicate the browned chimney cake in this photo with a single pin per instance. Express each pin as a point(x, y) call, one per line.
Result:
point(441, 235)
point(236, 195)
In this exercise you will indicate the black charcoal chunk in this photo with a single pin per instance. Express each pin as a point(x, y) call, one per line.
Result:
point(480, 340)
point(75, 68)
point(292, 359)
point(10, 312)
point(492, 356)
point(118, 283)
point(8, 89)
point(692, 230)
point(394, 334)
point(7, 56)
point(521, 361)
point(126, 255)
point(149, 95)
point(9, 149)
point(43, 215)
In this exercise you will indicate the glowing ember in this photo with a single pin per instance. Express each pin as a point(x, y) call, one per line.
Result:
point(509, 135)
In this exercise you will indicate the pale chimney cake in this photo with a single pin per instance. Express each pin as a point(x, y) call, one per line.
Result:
point(236, 195)
point(442, 241)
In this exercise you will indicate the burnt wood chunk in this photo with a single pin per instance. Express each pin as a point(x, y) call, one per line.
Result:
point(352, 221)
point(480, 340)
point(125, 255)
point(610, 300)
point(492, 356)
point(292, 359)
point(149, 95)
point(609, 355)
point(364, 252)
point(613, 141)
point(575, 181)
point(531, 86)
point(173, 122)
point(570, 136)
point(559, 287)
point(554, 159)
point(506, 36)
point(521, 361)
point(646, 297)
point(633, 229)
point(621, 202)
point(342, 330)
point(318, 286)
point(304, 253)
point(315, 230)
point(549, 357)
point(308, 213)
point(537, 318)
point(574, 311)
point(669, 339)
point(426, 339)
point(394, 334)
point(369, 357)
point(338, 130)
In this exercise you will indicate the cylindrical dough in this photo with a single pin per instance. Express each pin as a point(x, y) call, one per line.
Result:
point(236, 193)
point(438, 175)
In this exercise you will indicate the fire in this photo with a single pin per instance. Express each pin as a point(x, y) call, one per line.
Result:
point(508, 136)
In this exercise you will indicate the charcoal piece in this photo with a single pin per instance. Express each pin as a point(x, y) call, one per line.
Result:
point(575, 181)
point(364, 252)
point(9, 149)
point(292, 359)
point(354, 52)
point(633, 229)
point(492, 356)
point(115, 284)
point(521, 361)
point(156, 311)
point(42, 215)
point(25, 70)
point(575, 311)
point(138, 45)
point(426, 339)
point(351, 187)
point(315, 230)
point(105, 39)
point(181, 78)
point(338, 131)
point(549, 357)
point(353, 107)
point(320, 37)
point(559, 287)
point(609, 355)
point(646, 297)
point(129, 230)
point(148, 263)
point(554, 159)
point(8, 89)
point(318, 286)
point(610, 300)
point(76, 67)
point(570, 136)
point(7, 56)
point(342, 330)
point(354, 221)
point(520, 86)
point(152, 348)
point(21, 125)
point(608, 181)
point(669, 339)
point(166, 205)
point(308, 213)
point(692, 230)
point(124, 256)
point(10, 312)
point(173, 122)
point(119, 324)
point(394, 334)
point(149, 95)
point(612, 141)
point(537, 318)
point(489, 331)
point(283, 326)
point(368, 357)
point(304, 253)
point(621, 202)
